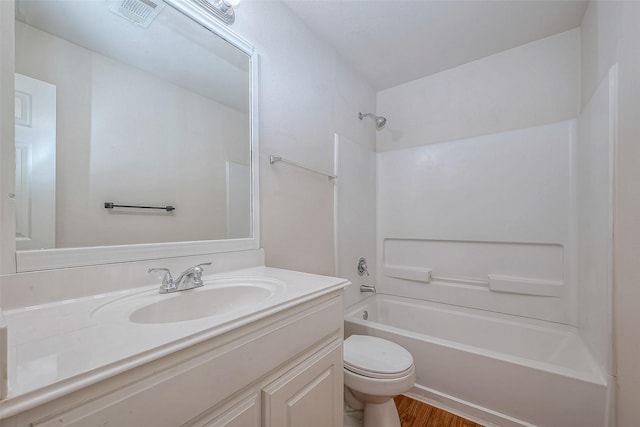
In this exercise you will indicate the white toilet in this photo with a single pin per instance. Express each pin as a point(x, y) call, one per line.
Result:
point(376, 370)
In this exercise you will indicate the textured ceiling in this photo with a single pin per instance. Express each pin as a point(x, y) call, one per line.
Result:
point(393, 42)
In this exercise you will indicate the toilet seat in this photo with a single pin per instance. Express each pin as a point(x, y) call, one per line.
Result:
point(375, 357)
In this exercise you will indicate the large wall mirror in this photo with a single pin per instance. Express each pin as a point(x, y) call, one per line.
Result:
point(135, 133)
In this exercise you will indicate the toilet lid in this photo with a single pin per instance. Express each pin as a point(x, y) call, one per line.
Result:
point(375, 357)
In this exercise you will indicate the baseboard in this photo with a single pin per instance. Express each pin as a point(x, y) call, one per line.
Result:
point(462, 408)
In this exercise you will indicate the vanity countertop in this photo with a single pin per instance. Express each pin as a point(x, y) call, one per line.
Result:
point(60, 347)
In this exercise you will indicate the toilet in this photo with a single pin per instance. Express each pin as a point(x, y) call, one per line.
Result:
point(375, 371)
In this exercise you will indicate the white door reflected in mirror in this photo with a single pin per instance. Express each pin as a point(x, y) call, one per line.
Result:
point(35, 187)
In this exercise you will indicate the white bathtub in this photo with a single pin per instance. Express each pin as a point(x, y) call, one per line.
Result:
point(507, 370)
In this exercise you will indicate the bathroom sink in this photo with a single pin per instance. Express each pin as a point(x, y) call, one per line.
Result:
point(201, 302)
point(217, 297)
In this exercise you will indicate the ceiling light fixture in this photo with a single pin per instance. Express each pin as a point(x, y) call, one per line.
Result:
point(221, 9)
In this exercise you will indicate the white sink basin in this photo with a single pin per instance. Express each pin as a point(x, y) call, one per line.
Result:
point(201, 302)
point(217, 297)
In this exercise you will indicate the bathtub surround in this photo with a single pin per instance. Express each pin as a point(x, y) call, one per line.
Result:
point(491, 214)
point(594, 156)
point(484, 212)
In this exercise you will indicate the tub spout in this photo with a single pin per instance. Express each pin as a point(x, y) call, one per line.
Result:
point(367, 288)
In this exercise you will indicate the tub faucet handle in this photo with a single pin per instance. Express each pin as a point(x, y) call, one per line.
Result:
point(362, 266)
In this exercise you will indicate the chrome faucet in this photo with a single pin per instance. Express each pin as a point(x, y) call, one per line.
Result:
point(367, 288)
point(188, 279)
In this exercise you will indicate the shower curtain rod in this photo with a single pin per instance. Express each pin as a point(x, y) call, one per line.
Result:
point(273, 159)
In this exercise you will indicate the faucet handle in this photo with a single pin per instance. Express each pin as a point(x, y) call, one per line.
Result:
point(362, 266)
point(167, 279)
point(197, 271)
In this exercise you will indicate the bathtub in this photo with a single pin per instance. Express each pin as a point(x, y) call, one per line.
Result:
point(504, 370)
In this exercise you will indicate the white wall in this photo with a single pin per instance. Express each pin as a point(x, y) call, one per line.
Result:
point(116, 141)
point(526, 86)
point(307, 94)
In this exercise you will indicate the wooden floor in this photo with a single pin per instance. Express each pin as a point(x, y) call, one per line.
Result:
point(418, 414)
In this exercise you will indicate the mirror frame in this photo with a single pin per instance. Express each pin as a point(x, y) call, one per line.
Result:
point(46, 259)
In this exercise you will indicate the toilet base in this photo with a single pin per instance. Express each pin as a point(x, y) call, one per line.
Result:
point(381, 414)
point(351, 400)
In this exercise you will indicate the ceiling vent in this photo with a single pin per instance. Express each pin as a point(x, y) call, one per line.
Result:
point(140, 12)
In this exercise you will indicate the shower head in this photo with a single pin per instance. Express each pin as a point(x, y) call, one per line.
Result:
point(380, 121)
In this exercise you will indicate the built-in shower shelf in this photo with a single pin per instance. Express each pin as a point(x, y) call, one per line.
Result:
point(417, 274)
point(484, 267)
point(525, 286)
point(494, 282)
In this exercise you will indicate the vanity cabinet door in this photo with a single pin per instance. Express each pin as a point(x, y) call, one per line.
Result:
point(244, 412)
point(309, 395)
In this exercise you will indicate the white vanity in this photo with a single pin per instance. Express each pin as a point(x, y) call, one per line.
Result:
point(268, 354)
